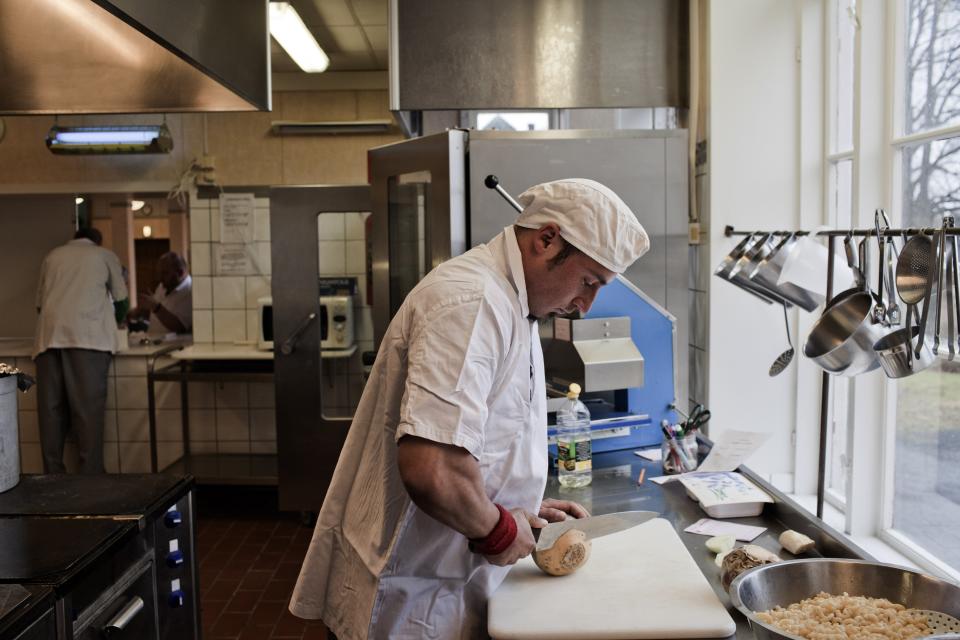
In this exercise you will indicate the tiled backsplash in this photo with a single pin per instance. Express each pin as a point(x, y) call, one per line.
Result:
point(224, 418)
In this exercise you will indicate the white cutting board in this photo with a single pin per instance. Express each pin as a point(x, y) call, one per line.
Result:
point(639, 583)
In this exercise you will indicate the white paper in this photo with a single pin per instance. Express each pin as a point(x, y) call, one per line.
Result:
point(710, 527)
point(731, 448)
point(653, 455)
point(234, 260)
point(664, 479)
point(236, 217)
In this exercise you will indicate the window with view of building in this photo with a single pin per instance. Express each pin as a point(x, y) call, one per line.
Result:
point(925, 508)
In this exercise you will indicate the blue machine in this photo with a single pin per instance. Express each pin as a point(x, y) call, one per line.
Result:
point(621, 418)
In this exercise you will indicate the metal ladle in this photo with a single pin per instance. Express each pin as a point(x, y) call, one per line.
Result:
point(784, 359)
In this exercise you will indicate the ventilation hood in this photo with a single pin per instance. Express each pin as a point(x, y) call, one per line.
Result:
point(133, 56)
point(538, 54)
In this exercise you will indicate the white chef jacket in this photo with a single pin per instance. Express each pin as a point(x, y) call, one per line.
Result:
point(79, 282)
point(460, 364)
point(179, 302)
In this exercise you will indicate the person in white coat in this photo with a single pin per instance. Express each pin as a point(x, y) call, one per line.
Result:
point(441, 478)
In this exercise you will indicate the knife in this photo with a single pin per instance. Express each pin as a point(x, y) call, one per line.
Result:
point(593, 526)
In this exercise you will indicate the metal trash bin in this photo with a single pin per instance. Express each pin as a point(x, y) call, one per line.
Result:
point(9, 434)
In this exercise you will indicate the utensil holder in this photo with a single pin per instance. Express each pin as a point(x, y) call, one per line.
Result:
point(672, 463)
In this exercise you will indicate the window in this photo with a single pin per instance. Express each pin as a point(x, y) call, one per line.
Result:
point(842, 35)
point(509, 120)
point(924, 508)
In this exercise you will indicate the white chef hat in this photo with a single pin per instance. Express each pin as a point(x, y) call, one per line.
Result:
point(591, 217)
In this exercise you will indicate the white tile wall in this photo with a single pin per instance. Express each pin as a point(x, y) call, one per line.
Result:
point(133, 425)
point(29, 428)
point(261, 229)
point(199, 224)
point(332, 259)
point(200, 264)
point(231, 395)
point(229, 325)
point(202, 292)
point(229, 293)
point(331, 226)
point(256, 287)
point(203, 426)
point(202, 325)
point(169, 426)
point(134, 457)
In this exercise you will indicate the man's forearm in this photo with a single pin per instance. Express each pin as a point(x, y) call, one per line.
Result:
point(445, 482)
point(169, 320)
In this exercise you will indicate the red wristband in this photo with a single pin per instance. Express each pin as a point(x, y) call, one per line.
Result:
point(501, 537)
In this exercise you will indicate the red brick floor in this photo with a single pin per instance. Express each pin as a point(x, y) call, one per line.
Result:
point(250, 556)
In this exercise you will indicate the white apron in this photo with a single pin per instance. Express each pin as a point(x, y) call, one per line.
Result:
point(460, 364)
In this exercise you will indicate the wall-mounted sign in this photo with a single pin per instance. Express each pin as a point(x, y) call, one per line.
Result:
point(236, 217)
point(235, 260)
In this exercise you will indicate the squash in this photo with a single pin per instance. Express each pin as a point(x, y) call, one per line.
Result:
point(570, 552)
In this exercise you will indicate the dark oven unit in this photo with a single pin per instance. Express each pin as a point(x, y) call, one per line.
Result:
point(118, 553)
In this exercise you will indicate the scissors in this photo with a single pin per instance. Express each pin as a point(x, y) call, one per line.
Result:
point(697, 418)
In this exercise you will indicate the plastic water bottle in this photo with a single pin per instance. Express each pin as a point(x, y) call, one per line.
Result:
point(574, 449)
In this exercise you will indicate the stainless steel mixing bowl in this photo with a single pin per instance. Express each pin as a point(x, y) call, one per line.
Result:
point(784, 583)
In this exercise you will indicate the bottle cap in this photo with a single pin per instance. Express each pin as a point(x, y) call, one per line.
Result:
point(574, 391)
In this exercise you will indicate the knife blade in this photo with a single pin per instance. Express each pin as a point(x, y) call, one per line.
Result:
point(593, 526)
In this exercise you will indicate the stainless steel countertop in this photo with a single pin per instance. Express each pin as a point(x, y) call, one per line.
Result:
point(614, 488)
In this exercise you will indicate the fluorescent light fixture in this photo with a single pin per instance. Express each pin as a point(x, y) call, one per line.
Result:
point(289, 30)
point(286, 128)
point(121, 139)
point(136, 205)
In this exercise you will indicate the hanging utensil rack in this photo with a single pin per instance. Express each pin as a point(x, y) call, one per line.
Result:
point(831, 235)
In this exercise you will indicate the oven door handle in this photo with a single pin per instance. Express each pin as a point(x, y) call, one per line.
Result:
point(122, 619)
point(290, 343)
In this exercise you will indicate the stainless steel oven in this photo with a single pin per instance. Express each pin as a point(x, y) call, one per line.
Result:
point(118, 552)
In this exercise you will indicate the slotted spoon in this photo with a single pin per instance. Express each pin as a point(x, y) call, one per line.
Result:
point(784, 359)
point(914, 273)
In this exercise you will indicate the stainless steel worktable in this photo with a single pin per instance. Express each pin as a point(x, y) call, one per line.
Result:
point(615, 488)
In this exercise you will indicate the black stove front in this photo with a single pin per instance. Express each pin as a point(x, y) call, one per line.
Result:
point(117, 550)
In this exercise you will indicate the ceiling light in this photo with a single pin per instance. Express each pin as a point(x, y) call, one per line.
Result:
point(136, 205)
point(122, 139)
point(147, 231)
point(78, 200)
point(289, 30)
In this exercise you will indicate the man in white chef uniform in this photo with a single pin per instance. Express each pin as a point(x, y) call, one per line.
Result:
point(442, 474)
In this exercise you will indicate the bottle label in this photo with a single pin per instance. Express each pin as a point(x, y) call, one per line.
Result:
point(574, 456)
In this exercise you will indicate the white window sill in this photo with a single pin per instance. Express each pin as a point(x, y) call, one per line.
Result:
point(873, 545)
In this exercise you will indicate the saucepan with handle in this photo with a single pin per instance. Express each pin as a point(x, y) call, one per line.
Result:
point(841, 340)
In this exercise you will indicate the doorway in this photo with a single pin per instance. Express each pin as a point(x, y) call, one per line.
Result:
point(147, 252)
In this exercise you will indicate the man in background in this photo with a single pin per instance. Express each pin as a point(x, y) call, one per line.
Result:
point(170, 308)
point(80, 297)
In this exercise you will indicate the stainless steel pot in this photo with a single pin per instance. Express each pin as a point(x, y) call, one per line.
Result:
point(784, 583)
point(841, 340)
point(895, 351)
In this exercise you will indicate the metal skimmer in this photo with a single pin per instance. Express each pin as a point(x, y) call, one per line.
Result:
point(784, 359)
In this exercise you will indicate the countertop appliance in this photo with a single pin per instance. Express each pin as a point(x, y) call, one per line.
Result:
point(117, 551)
point(623, 354)
point(336, 322)
point(431, 199)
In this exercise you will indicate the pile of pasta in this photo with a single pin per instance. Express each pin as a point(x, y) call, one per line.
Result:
point(846, 617)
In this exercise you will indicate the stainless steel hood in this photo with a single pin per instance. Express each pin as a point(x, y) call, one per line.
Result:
point(547, 54)
point(133, 56)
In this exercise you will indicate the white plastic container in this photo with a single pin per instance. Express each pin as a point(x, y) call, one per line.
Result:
point(9, 434)
point(574, 446)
